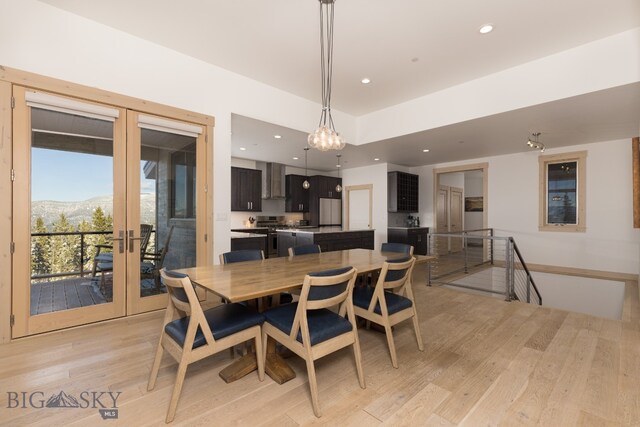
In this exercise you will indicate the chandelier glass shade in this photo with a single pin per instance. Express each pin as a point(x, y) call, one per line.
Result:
point(325, 137)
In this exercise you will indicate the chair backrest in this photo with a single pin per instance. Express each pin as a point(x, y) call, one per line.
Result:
point(241, 255)
point(323, 289)
point(396, 273)
point(304, 250)
point(183, 297)
point(145, 236)
point(402, 248)
point(165, 249)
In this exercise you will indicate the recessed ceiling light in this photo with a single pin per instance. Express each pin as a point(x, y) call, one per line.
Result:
point(426, 150)
point(338, 166)
point(366, 81)
point(376, 159)
point(277, 136)
point(243, 149)
point(486, 28)
point(295, 158)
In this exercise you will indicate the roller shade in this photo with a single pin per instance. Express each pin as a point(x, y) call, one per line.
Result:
point(170, 126)
point(46, 101)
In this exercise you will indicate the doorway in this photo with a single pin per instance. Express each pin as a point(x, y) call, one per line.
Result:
point(460, 204)
point(102, 199)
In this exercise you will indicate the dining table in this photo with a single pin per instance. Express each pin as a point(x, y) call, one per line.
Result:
point(256, 280)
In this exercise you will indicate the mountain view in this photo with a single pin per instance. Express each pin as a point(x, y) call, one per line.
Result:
point(76, 212)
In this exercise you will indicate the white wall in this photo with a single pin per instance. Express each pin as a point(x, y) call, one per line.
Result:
point(376, 175)
point(609, 244)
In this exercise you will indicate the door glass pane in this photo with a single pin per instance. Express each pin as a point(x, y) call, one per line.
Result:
point(167, 204)
point(71, 211)
point(562, 193)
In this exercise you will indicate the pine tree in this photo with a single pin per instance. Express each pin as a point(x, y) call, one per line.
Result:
point(63, 248)
point(40, 249)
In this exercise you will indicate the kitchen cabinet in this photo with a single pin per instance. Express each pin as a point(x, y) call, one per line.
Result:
point(246, 190)
point(322, 187)
point(328, 241)
point(253, 242)
point(402, 192)
point(414, 236)
point(296, 197)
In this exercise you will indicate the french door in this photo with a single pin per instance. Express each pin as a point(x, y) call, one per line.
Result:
point(103, 198)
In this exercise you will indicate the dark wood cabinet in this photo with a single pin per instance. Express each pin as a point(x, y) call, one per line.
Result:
point(244, 243)
point(246, 190)
point(322, 187)
point(328, 242)
point(415, 236)
point(296, 197)
point(402, 192)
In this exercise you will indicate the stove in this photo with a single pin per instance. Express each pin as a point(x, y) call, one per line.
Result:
point(272, 223)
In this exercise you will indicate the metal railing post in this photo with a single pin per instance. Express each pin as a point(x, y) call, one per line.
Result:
point(81, 254)
point(491, 242)
point(430, 262)
point(528, 288)
point(464, 248)
point(508, 259)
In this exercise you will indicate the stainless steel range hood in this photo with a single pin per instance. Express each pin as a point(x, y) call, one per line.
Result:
point(273, 180)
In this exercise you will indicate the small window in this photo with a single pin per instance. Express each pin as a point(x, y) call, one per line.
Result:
point(563, 192)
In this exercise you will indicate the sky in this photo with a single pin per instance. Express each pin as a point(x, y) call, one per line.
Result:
point(71, 177)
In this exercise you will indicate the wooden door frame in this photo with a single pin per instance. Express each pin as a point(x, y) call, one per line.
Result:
point(484, 167)
point(10, 76)
point(347, 191)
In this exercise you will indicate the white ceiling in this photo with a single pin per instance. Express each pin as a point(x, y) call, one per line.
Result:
point(409, 48)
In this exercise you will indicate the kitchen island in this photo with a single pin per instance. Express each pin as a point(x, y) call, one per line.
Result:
point(245, 240)
point(329, 239)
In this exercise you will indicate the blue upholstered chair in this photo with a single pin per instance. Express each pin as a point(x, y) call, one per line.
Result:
point(310, 330)
point(241, 256)
point(390, 301)
point(200, 333)
point(402, 248)
point(304, 250)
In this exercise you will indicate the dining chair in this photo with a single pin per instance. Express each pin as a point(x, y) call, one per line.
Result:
point(390, 301)
point(402, 248)
point(304, 250)
point(199, 333)
point(309, 329)
point(152, 262)
point(241, 256)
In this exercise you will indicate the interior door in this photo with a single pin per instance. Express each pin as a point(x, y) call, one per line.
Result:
point(68, 203)
point(359, 208)
point(455, 217)
point(442, 220)
point(166, 167)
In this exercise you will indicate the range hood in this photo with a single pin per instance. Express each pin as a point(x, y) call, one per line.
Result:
point(273, 180)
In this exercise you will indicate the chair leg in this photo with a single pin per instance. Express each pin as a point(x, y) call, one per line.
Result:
point(416, 328)
point(259, 356)
point(392, 346)
point(177, 389)
point(358, 356)
point(156, 366)
point(313, 385)
point(263, 346)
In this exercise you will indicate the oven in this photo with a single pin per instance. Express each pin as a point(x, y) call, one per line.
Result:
point(272, 223)
point(272, 241)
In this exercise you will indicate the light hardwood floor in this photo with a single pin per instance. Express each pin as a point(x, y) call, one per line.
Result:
point(486, 362)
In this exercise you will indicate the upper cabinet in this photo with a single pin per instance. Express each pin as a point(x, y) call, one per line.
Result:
point(325, 187)
point(296, 197)
point(402, 192)
point(246, 190)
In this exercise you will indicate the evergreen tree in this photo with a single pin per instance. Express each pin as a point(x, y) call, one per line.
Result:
point(63, 248)
point(40, 249)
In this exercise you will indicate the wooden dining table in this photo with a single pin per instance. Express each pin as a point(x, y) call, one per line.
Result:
point(252, 280)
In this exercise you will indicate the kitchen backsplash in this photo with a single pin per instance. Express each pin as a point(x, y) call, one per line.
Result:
point(269, 208)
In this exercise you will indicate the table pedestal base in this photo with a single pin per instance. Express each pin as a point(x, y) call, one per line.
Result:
point(275, 367)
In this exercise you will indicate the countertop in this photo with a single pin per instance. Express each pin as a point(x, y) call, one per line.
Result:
point(239, 235)
point(248, 229)
point(321, 230)
point(407, 228)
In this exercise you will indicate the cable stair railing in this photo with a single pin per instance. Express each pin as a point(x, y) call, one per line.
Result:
point(480, 261)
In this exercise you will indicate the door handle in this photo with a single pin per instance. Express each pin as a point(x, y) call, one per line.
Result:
point(120, 239)
point(131, 240)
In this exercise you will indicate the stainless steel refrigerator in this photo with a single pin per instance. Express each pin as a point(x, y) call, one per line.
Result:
point(331, 212)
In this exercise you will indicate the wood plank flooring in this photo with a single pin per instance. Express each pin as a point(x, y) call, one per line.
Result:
point(486, 362)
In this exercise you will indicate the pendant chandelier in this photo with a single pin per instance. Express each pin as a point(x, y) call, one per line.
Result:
point(305, 183)
point(325, 137)
point(338, 187)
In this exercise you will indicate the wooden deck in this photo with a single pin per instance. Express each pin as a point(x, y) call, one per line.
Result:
point(63, 294)
point(486, 362)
